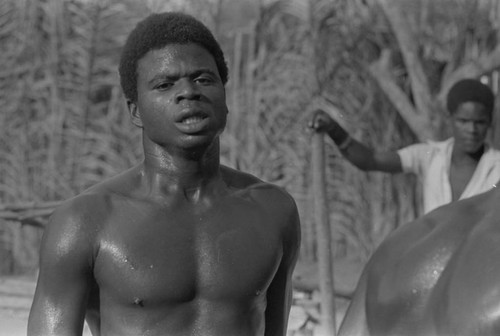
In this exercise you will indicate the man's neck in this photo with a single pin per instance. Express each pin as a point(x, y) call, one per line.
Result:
point(192, 175)
point(461, 157)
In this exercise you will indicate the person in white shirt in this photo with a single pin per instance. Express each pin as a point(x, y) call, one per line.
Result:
point(459, 167)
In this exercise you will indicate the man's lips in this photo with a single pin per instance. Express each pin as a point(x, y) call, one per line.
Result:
point(188, 113)
point(192, 122)
point(473, 140)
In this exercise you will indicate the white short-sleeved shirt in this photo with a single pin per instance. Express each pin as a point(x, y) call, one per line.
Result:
point(430, 161)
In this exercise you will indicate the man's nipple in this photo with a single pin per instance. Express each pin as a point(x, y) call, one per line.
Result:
point(138, 302)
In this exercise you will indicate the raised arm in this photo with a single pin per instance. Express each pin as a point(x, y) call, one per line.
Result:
point(279, 293)
point(65, 275)
point(354, 151)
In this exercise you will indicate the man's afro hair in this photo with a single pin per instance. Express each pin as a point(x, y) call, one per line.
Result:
point(470, 90)
point(157, 31)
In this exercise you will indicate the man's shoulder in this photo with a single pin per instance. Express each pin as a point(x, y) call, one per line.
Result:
point(236, 179)
point(80, 212)
point(93, 204)
point(426, 150)
point(438, 146)
point(74, 224)
point(492, 153)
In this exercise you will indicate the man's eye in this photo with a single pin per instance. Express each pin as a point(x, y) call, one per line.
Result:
point(204, 80)
point(164, 86)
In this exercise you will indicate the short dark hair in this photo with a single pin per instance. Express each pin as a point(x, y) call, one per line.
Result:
point(157, 31)
point(470, 90)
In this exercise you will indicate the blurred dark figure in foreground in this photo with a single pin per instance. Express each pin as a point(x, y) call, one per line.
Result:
point(438, 276)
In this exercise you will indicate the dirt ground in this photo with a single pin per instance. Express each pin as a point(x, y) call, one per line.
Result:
point(16, 295)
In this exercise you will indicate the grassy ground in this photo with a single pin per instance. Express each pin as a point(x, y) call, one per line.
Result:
point(16, 295)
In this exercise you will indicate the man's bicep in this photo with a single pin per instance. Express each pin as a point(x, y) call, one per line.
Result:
point(279, 294)
point(279, 301)
point(64, 279)
point(58, 308)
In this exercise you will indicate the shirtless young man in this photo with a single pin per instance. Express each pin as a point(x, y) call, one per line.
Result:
point(178, 245)
point(439, 276)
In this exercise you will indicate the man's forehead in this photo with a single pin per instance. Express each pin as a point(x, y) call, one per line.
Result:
point(172, 56)
point(472, 109)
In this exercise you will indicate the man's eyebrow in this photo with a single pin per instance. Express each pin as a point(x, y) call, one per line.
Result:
point(172, 77)
point(202, 71)
point(163, 76)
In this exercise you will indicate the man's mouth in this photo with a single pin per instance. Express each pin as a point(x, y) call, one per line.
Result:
point(473, 140)
point(192, 120)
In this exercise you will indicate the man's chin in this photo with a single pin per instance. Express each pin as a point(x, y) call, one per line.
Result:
point(473, 148)
point(198, 143)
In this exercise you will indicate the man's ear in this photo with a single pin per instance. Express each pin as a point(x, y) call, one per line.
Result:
point(134, 114)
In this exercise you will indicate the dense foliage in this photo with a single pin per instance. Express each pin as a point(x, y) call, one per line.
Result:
point(65, 125)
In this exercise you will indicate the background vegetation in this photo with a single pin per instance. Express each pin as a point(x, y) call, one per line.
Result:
point(382, 67)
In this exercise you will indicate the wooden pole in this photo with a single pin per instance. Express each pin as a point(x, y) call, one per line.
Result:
point(321, 217)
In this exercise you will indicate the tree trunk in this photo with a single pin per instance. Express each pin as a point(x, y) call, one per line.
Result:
point(325, 260)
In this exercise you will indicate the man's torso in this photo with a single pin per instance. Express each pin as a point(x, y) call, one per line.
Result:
point(182, 269)
point(443, 182)
point(460, 176)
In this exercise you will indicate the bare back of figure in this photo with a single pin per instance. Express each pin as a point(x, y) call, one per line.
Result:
point(437, 276)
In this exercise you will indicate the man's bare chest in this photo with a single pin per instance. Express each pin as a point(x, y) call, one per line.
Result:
point(460, 176)
point(168, 257)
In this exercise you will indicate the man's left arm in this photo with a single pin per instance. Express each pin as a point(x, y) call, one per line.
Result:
point(279, 293)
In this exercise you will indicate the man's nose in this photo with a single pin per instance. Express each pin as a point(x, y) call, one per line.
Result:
point(474, 127)
point(469, 126)
point(187, 89)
